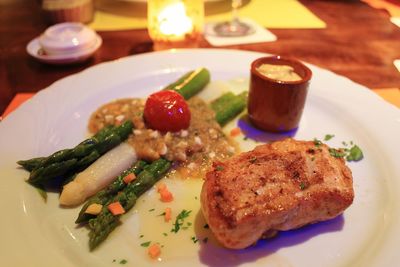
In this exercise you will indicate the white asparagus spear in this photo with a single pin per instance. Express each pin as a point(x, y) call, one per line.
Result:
point(98, 175)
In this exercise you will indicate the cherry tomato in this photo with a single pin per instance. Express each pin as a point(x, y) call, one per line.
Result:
point(166, 111)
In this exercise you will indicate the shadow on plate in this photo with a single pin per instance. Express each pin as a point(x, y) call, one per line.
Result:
point(258, 135)
point(212, 254)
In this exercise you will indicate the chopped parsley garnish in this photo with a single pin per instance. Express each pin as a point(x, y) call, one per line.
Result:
point(312, 158)
point(317, 142)
point(123, 261)
point(180, 220)
point(328, 137)
point(355, 154)
point(253, 159)
point(245, 138)
point(219, 168)
point(141, 236)
point(146, 244)
point(337, 153)
point(151, 210)
point(165, 234)
point(302, 186)
point(194, 239)
point(161, 214)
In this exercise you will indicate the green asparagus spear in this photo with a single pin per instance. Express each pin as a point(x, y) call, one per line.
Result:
point(228, 106)
point(105, 222)
point(191, 83)
point(69, 161)
point(34, 163)
point(30, 164)
point(87, 160)
point(53, 170)
point(103, 196)
point(80, 166)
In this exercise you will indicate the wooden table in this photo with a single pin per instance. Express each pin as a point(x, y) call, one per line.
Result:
point(359, 42)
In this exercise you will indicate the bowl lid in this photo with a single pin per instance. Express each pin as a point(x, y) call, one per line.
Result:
point(67, 36)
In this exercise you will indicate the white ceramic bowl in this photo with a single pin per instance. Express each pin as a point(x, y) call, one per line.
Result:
point(67, 38)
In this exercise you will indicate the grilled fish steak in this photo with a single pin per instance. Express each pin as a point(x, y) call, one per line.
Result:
point(275, 187)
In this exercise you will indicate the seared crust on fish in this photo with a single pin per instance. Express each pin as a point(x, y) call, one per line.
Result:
point(279, 186)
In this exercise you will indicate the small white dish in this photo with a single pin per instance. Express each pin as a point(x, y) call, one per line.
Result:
point(67, 38)
point(35, 50)
point(260, 35)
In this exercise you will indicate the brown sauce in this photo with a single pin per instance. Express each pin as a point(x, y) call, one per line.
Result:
point(192, 149)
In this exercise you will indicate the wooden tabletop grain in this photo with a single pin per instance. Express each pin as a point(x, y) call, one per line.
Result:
point(359, 42)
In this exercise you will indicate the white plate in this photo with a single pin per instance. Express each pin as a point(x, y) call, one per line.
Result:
point(35, 50)
point(38, 234)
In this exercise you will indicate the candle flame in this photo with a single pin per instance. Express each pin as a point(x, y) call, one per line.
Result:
point(174, 21)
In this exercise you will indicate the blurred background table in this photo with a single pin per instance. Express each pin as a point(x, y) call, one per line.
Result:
point(359, 42)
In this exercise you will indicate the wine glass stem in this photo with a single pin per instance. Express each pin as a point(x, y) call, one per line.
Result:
point(235, 5)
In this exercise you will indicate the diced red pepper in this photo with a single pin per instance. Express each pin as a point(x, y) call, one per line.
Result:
point(129, 178)
point(116, 208)
point(154, 251)
point(235, 132)
point(168, 214)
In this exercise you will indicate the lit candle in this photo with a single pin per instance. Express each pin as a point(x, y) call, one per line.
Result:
point(175, 23)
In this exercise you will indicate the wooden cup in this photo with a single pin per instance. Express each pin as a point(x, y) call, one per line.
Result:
point(276, 105)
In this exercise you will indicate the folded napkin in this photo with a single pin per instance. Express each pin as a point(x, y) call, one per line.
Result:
point(260, 35)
